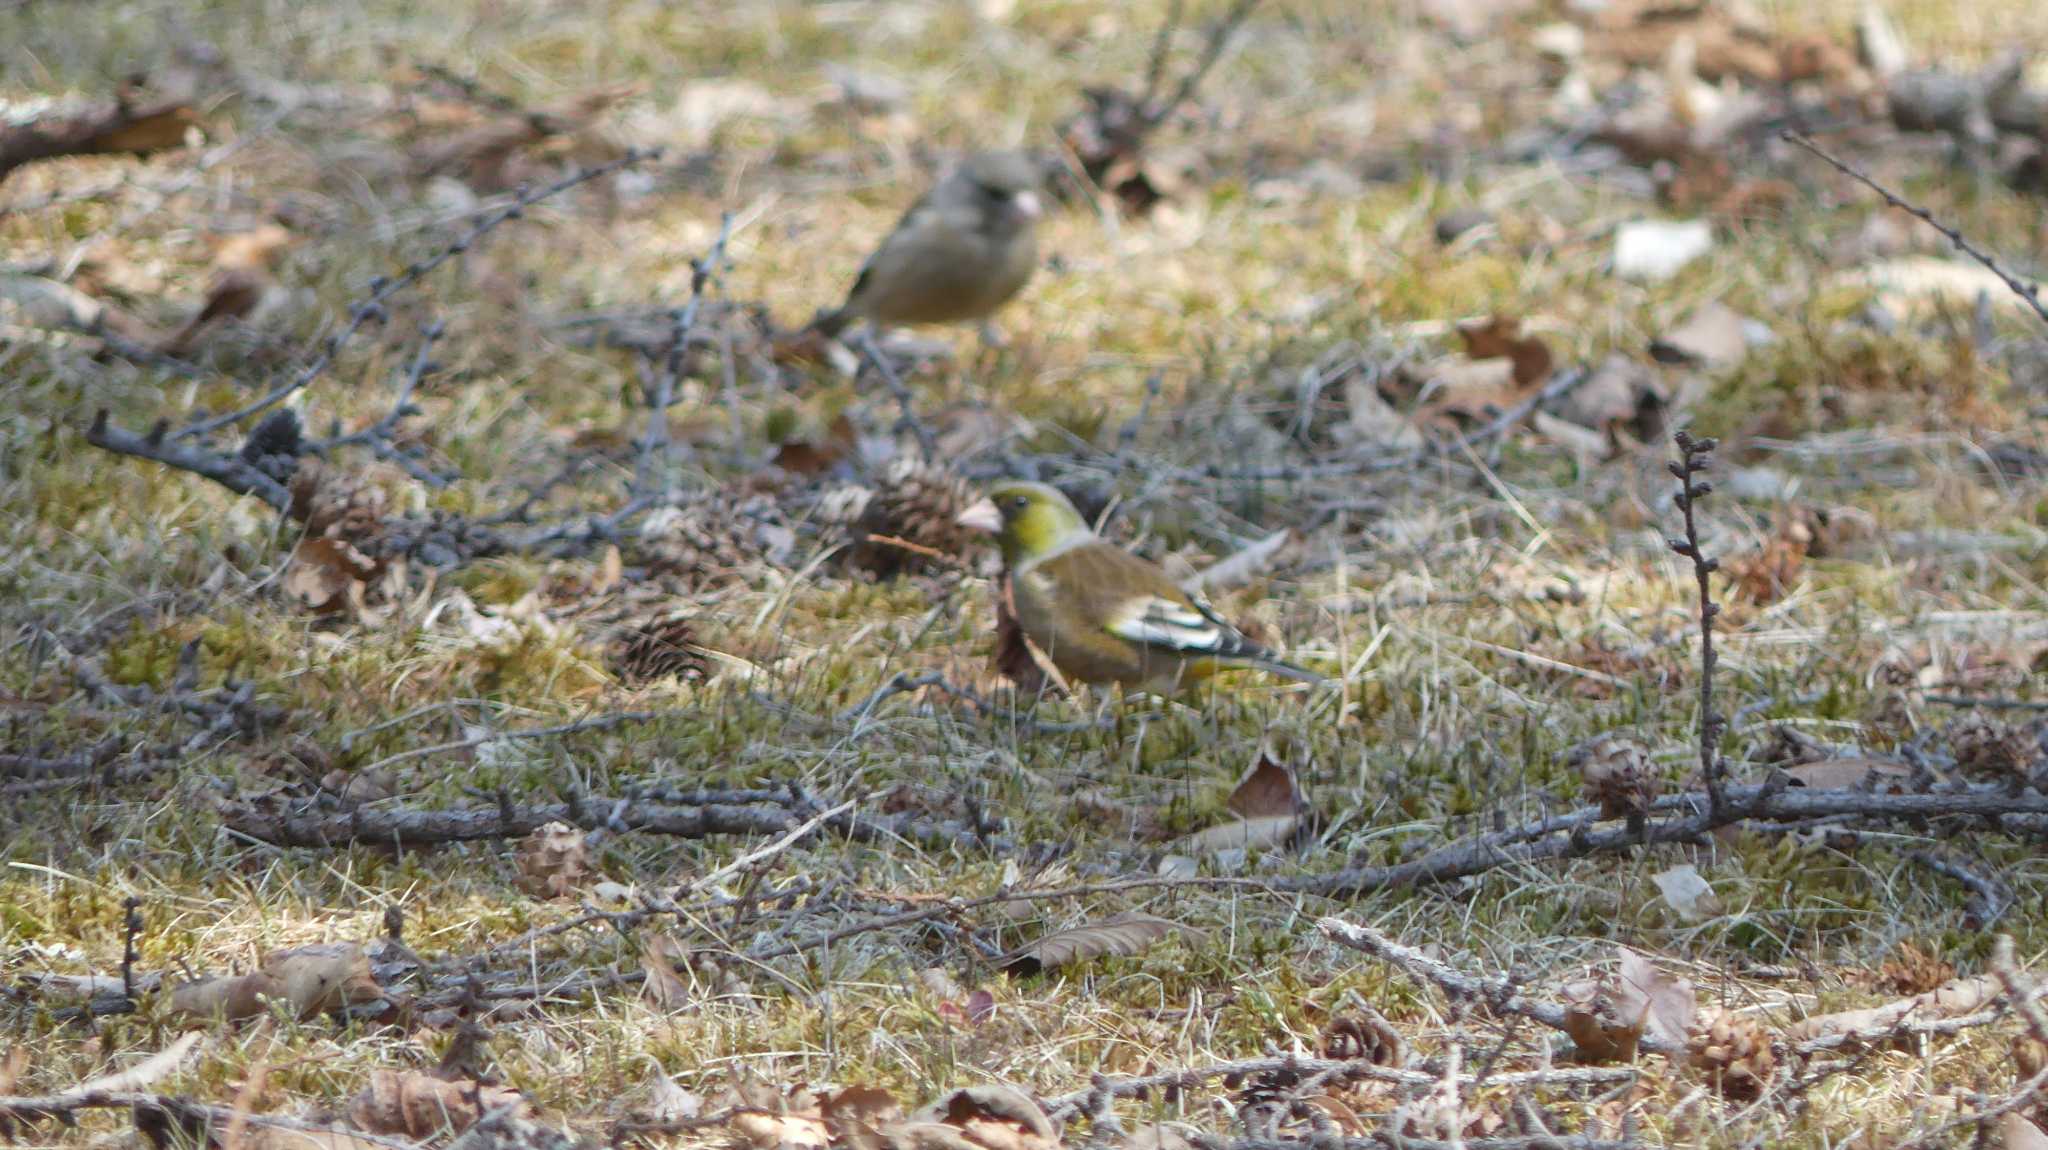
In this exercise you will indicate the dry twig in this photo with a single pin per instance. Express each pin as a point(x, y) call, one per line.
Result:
point(2031, 293)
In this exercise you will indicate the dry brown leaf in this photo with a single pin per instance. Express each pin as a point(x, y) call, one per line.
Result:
point(553, 861)
point(859, 1117)
point(1500, 337)
point(322, 977)
point(769, 1131)
point(1620, 395)
point(322, 571)
point(1269, 787)
point(12, 1068)
point(1263, 833)
point(1244, 565)
point(1668, 1005)
point(229, 996)
point(666, 1101)
point(143, 1074)
point(1158, 1136)
point(1596, 1021)
point(1469, 390)
point(994, 1117)
point(2019, 1133)
point(815, 457)
point(1963, 996)
point(1366, 1034)
point(418, 1105)
point(661, 957)
point(1852, 774)
point(1712, 335)
point(1607, 1018)
point(276, 1138)
point(1125, 934)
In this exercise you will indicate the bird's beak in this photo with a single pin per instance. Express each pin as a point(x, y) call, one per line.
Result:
point(982, 517)
point(1028, 205)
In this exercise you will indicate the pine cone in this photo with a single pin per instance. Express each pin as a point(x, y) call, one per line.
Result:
point(724, 532)
point(1618, 775)
point(1915, 971)
point(1735, 1050)
point(657, 648)
point(917, 504)
point(1992, 751)
point(337, 504)
point(553, 861)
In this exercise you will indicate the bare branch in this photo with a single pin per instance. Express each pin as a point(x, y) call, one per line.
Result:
point(383, 289)
point(2031, 293)
point(230, 471)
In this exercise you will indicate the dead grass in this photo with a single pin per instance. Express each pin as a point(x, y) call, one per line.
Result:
point(1482, 670)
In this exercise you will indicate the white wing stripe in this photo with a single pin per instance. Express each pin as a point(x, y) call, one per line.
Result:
point(1168, 624)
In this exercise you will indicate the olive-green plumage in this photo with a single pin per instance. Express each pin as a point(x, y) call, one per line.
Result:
point(1100, 613)
point(957, 255)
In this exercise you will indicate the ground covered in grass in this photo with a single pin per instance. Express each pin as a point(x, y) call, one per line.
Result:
point(1387, 328)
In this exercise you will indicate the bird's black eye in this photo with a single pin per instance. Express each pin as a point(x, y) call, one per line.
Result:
point(1019, 502)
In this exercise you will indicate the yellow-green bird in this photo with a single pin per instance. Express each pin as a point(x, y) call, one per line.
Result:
point(1100, 613)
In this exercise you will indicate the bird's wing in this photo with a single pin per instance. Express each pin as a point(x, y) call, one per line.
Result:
point(1135, 600)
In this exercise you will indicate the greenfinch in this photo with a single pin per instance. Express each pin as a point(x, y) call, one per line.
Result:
point(957, 255)
point(1100, 613)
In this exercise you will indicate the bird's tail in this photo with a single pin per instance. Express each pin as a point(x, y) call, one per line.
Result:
point(1275, 665)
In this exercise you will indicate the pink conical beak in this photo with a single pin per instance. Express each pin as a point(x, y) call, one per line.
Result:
point(1028, 205)
point(982, 517)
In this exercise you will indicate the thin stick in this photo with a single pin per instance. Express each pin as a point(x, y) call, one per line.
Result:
point(2031, 293)
point(379, 434)
point(1212, 51)
point(682, 322)
point(1155, 71)
point(927, 444)
point(756, 857)
point(131, 929)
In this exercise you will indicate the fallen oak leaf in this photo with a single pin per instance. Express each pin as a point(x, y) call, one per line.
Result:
point(993, 1117)
point(419, 1105)
point(1500, 337)
point(1269, 787)
point(311, 980)
point(661, 958)
point(860, 1117)
point(1124, 934)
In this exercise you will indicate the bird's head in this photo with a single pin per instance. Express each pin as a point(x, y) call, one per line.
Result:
point(1029, 520)
point(1004, 187)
